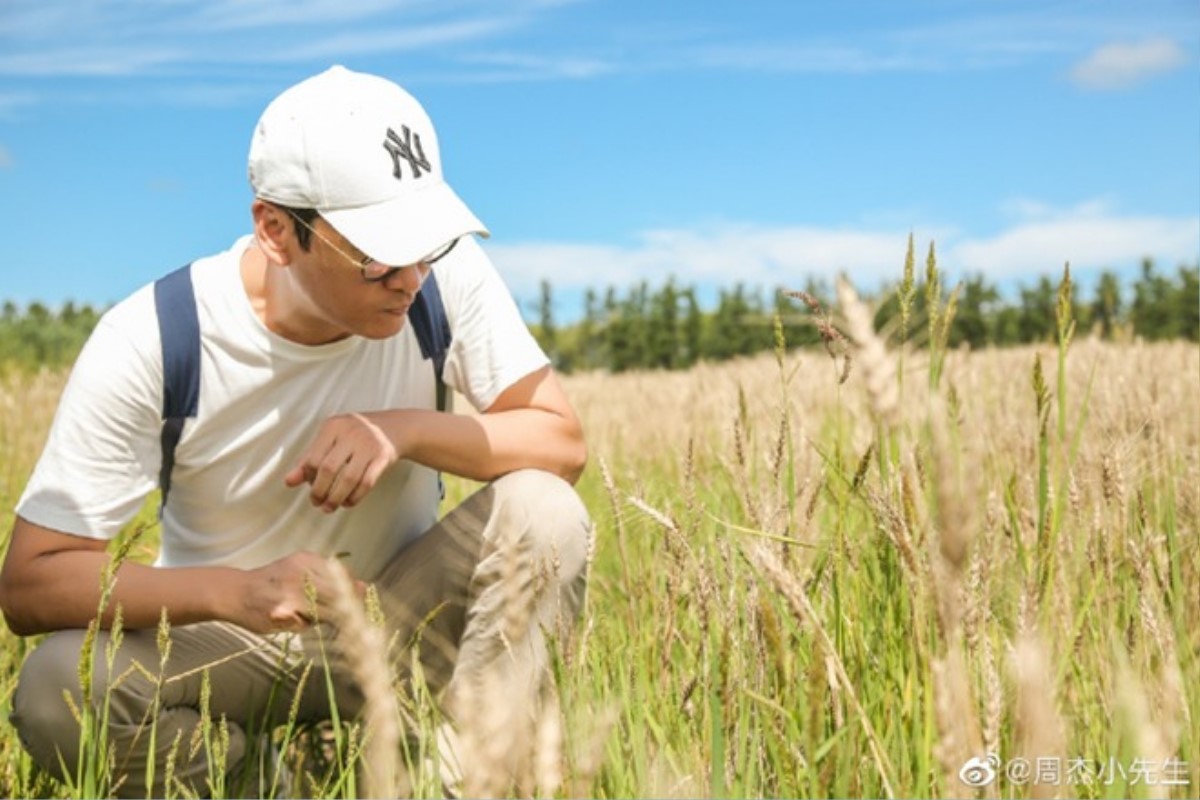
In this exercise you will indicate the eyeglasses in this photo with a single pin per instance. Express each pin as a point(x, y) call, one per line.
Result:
point(373, 271)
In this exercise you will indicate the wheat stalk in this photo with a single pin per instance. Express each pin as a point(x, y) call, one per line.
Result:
point(878, 369)
point(364, 649)
point(1040, 729)
point(768, 564)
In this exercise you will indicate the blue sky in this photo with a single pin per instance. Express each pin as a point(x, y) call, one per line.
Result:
point(605, 142)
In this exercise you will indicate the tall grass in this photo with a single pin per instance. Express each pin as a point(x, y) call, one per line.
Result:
point(809, 586)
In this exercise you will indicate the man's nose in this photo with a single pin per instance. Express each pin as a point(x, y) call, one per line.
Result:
point(405, 279)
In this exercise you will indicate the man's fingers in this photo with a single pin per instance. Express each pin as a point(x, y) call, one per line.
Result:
point(366, 483)
point(341, 466)
point(355, 480)
point(295, 476)
point(343, 485)
point(327, 474)
point(291, 620)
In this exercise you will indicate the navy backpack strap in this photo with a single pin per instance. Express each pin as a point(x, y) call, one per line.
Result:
point(427, 315)
point(179, 332)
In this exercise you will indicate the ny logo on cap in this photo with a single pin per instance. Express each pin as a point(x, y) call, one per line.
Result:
point(407, 149)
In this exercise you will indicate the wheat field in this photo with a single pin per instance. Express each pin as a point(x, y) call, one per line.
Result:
point(921, 573)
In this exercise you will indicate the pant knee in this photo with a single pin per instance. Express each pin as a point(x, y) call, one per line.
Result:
point(41, 714)
point(49, 694)
point(556, 532)
point(551, 515)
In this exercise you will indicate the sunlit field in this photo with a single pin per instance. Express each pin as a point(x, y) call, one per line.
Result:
point(921, 573)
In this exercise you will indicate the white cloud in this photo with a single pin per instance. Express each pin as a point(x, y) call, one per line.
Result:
point(1090, 235)
point(717, 255)
point(510, 66)
point(246, 14)
point(99, 61)
point(202, 37)
point(813, 58)
point(385, 40)
point(1120, 65)
point(135, 37)
point(939, 43)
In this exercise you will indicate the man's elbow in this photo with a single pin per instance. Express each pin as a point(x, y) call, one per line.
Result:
point(575, 460)
point(19, 627)
point(16, 614)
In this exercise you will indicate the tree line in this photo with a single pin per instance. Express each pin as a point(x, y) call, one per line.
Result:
point(37, 336)
point(666, 327)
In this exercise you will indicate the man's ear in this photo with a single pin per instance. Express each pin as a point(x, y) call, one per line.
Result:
point(275, 230)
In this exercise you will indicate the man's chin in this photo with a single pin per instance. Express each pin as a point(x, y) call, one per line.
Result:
point(385, 328)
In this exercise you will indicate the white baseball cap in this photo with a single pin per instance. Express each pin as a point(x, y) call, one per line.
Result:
point(363, 153)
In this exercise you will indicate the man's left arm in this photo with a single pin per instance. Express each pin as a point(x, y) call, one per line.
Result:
point(531, 424)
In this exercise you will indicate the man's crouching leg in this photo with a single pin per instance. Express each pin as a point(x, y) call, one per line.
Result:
point(49, 699)
point(152, 719)
point(524, 598)
point(509, 569)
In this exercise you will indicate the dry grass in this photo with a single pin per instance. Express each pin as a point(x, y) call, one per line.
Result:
point(810, 587)
point(949, 485)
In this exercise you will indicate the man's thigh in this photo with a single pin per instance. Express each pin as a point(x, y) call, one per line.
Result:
point(250, 679)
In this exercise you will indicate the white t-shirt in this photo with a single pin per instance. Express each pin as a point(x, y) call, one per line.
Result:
point(262, 399)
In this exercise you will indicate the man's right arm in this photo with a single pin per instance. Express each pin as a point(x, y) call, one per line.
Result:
point(51, 581)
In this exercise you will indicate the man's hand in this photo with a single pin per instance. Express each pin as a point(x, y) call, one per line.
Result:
point(288, 594)
point(344, 462)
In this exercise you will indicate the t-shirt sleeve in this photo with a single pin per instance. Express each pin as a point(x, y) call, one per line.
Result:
point(102, 455)
point(492, 347)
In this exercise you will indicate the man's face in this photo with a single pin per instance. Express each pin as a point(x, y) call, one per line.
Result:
point(347, 293)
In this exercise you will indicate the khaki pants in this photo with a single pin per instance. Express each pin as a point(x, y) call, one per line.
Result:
point(458, 590)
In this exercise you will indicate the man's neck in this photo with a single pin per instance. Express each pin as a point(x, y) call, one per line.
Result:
point(279, 305)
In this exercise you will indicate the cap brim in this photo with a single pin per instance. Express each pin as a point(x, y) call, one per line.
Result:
point(404, 230)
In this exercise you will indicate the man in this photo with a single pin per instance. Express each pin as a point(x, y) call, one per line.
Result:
point(317, 435)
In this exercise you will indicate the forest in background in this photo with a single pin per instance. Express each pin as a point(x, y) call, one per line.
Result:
point(666, 327)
